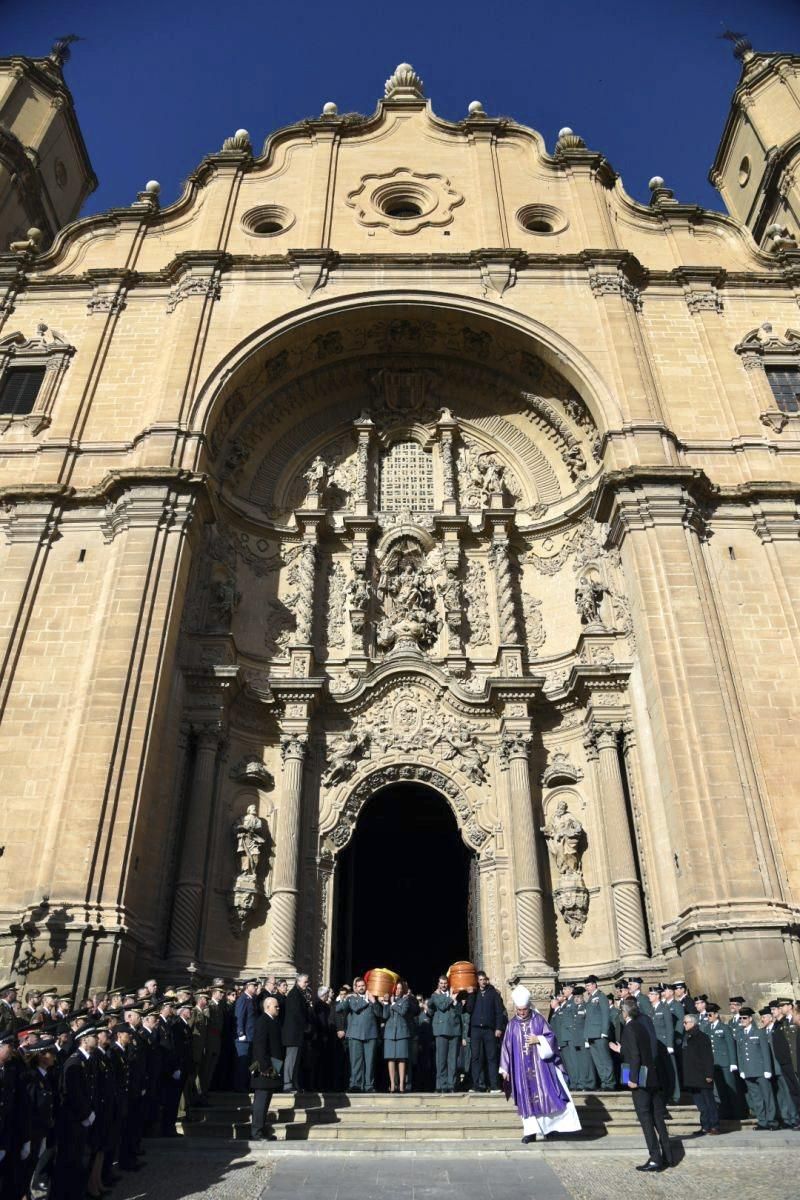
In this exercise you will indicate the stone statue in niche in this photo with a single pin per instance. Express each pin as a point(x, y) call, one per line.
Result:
point(566, 841)
point(346, 752)
point(316, 476)
point(223, 600)
point(407, 595)
point(357, 591)
point(249, 834)
point(247, 895)
point(589, 595)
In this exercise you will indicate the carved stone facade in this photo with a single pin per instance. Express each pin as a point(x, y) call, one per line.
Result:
point(372, 525)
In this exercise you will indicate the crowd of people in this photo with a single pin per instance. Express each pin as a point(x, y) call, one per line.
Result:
point(82, 1084)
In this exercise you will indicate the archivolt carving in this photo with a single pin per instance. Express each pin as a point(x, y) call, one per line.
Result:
point(342, 831)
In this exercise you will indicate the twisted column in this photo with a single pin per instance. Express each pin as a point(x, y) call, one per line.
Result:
point(506, 609)
point(283, 903)
point(190, 886)
point(364, 427)
point(527, 877)
point(447, 426)
point(306, 576)
point(625, 888)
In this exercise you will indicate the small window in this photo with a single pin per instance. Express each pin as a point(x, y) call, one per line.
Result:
point(785, 384)
point(19, 390)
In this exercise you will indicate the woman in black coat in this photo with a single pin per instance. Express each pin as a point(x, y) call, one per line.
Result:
point(267, 1064)
point(698, 1073)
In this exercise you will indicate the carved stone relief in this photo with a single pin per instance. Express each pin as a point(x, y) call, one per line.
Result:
point(566, 841)
point(477, 605)
point(407, 596)
point(247, 896)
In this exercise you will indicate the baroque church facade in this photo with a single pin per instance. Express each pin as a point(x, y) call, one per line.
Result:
point(406, 467)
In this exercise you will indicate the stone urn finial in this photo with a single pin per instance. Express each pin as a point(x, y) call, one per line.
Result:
point(405, 83)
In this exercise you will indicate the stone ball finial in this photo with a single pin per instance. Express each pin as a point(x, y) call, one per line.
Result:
point(242, 133)
point(565, 132)
point(329, 109)
point(153, 187)
point(404, 82)
point(476, 109)
point(655, 182)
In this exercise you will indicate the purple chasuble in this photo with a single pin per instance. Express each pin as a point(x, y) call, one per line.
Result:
point(532, 1081)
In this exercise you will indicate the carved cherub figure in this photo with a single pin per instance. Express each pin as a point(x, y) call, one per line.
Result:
point(344, 756)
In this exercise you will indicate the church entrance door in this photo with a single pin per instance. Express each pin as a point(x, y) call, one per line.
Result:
point(403, 887)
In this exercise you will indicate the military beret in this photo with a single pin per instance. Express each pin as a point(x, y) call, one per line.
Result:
point(748, 1012)
point(590, 979)
point(736, 1000)
point(703, 998)
point(579, 991)
point(766, 1011)
point(635, 979)
point(712, 1007)
point(655, 987)
point(621, 983)
point(774, 1003)
point(120, 1027)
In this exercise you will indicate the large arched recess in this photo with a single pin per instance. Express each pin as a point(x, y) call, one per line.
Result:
point(246, 360)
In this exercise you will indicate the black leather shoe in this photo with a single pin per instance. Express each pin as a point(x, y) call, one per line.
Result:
point(651, 1167)
point(528, 1138)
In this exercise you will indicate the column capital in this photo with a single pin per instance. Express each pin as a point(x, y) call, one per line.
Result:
point(601, 735)
point(514, 744)
point(294, 745)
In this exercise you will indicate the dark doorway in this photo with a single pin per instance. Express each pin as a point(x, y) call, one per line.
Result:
point(402, 889)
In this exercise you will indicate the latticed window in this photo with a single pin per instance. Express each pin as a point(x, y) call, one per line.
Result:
point(406, 479)
point(785, 384)
point(19, 389)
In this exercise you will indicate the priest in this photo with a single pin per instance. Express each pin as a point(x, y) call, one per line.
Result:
point(531, 1071)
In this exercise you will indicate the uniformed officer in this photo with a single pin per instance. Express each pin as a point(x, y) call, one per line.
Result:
point(664, 1024)
point(636, 993)
point(363, 1016)
point(585, 1077)
point(726, 1064)
point(215, 1024)
point(700, 1003)
point(9, 1023)
point(781, 1059)
point(735, 1003)
point(76, 1116)
point(596, 1033)
point(755, 1066)
point(683, 997)
point(445, 1012)
point(41, 1084)
point(566, 1038)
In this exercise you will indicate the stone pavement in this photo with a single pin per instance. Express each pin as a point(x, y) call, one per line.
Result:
point(743, 1166)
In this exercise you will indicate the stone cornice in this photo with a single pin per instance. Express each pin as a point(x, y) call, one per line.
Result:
point(110, 488)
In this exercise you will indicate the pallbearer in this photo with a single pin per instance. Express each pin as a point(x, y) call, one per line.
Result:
point(530, 1067)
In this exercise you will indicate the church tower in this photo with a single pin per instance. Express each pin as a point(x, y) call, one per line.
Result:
point(756, 167)
point(45, 172)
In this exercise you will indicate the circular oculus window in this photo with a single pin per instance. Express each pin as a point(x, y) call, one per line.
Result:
point(404, 202)
point(541, 219)
point(744, 171)
point(268, 220)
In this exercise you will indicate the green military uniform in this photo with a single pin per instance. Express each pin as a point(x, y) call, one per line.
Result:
point(566, 1039)
point(362, 1037)
point(643, 1003)
point(585, 1077)
point(8, 1022)
point(448, 1030)
point(726, 1067)
point(664, 1022)
point(755, 1065)
point(596, 1031)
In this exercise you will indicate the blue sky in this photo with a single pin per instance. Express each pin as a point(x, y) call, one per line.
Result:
point(157, 86)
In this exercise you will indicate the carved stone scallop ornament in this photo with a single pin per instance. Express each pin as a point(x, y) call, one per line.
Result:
point(404, 201)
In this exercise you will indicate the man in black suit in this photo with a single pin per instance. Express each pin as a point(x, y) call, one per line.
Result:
point(295, 1029)
point(267, 1064)
point(639, 1050)
point(486, 1025)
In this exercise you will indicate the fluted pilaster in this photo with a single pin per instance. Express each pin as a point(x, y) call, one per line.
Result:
point(283, 903)
point(190, 886)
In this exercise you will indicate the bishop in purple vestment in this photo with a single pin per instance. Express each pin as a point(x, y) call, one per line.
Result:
point(530, 1066)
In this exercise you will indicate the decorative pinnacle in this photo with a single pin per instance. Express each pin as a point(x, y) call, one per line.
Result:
point(476, 109)
point(240, 141)
point(567, 140)
point(405, 82)
point(742, 46)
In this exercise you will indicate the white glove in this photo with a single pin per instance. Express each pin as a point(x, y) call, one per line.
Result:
point(587, 1045)
point(670, 1050)
point(25, 1151)
point(768, 1074)
point(89, 1121)
point(176, 1074)
point(242, 1037)
point(734, 1067)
